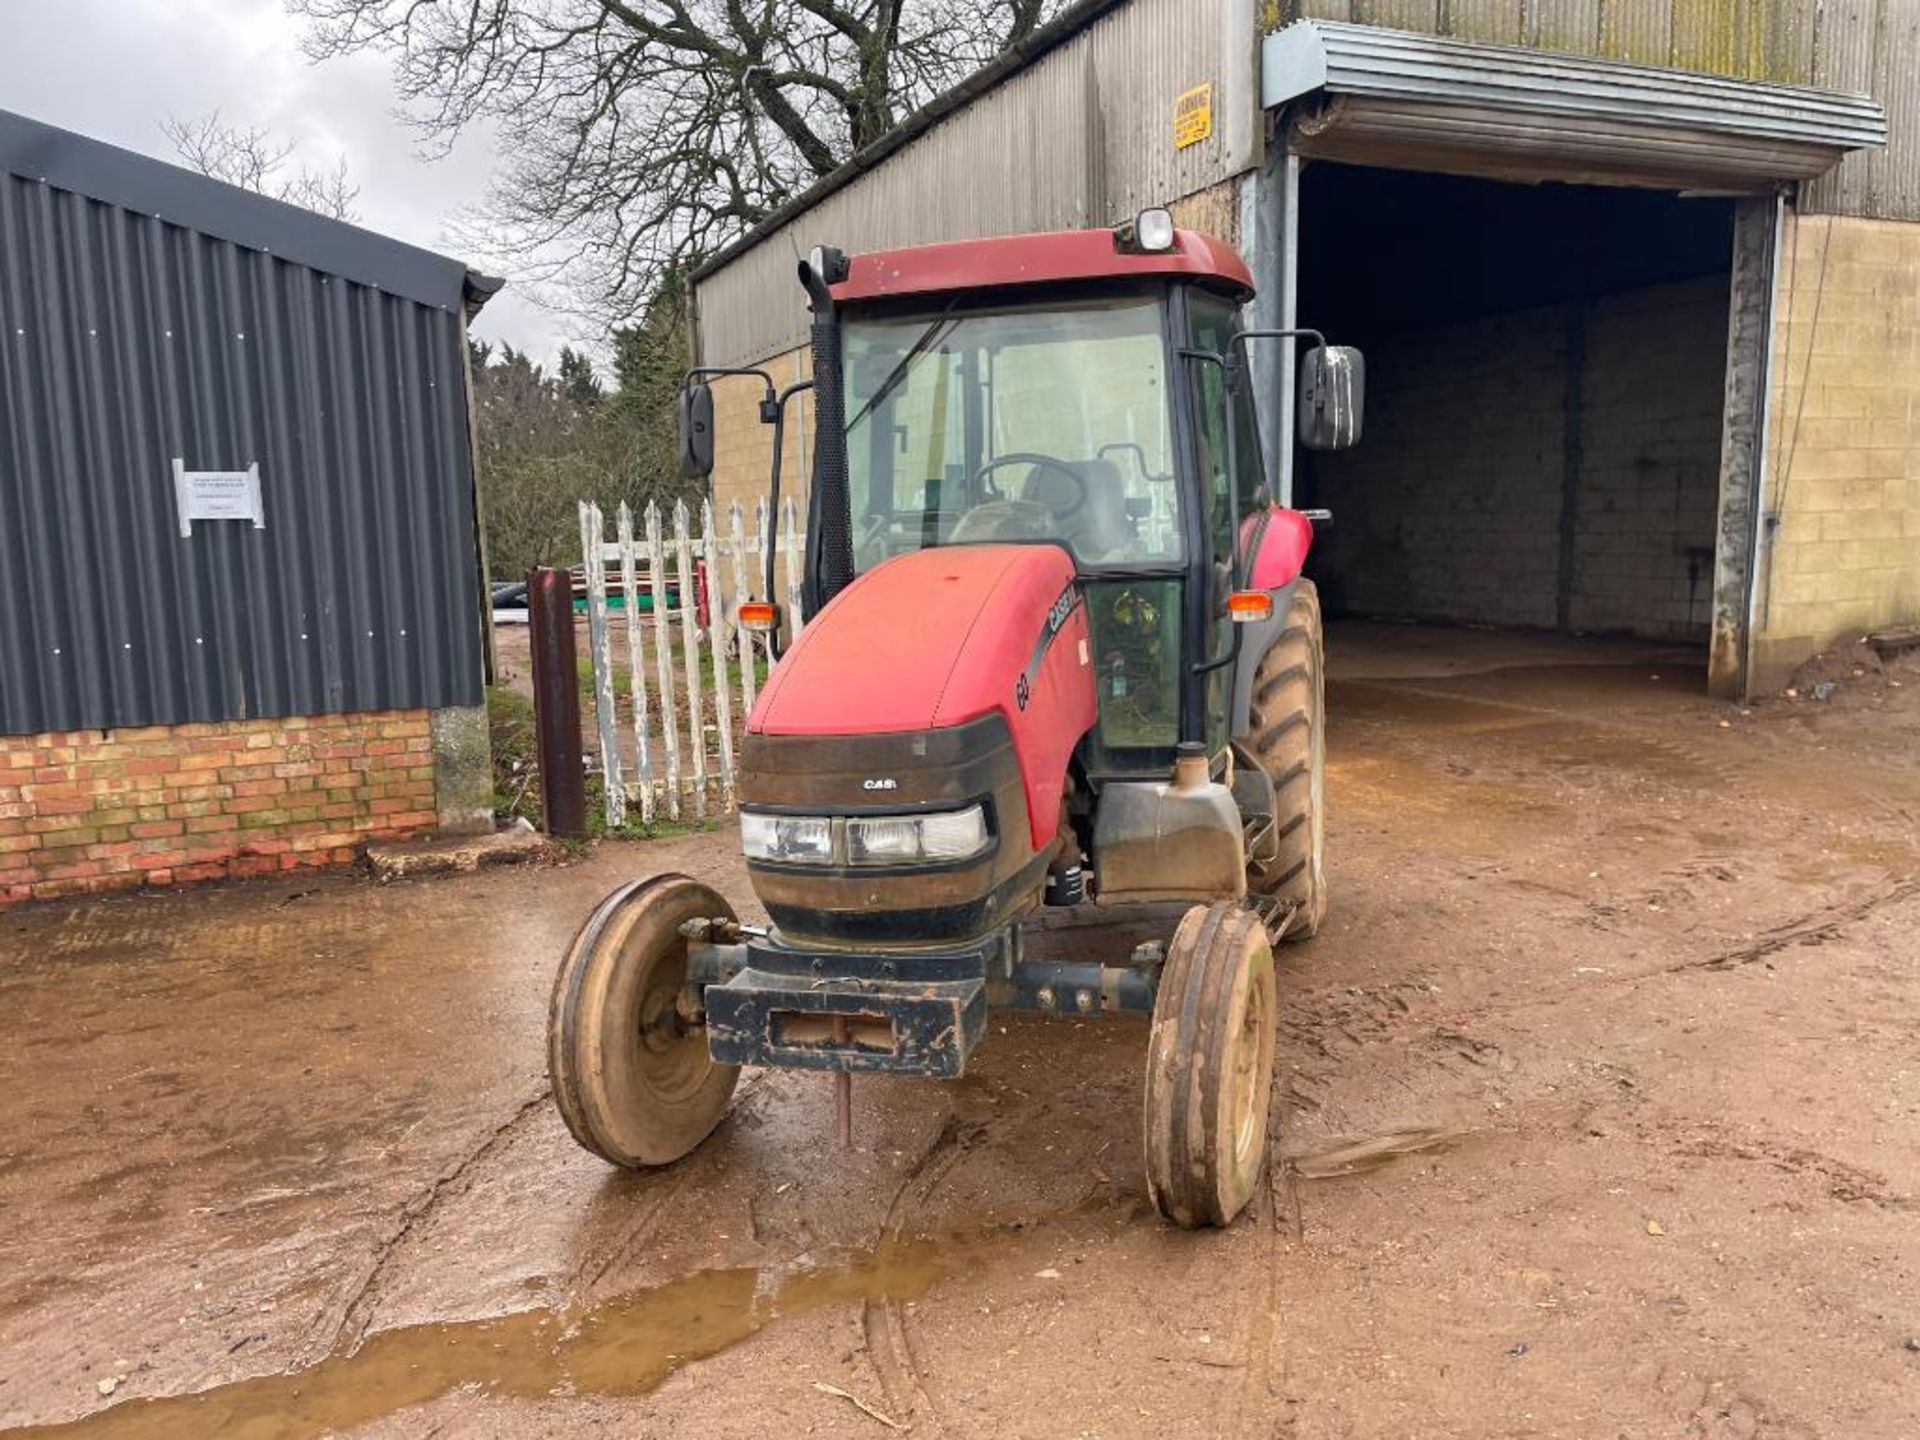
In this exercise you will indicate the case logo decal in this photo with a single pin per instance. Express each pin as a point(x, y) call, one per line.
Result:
point(1068, 602)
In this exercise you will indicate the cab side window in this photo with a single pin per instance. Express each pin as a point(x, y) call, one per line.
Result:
point(1211, 326)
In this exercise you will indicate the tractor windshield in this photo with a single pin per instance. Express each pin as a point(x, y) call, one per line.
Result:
point(1038, 423)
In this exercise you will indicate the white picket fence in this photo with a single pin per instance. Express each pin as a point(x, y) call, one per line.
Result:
point(681, 758)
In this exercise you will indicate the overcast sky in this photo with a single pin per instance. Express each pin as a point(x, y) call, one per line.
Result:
point(115, 69)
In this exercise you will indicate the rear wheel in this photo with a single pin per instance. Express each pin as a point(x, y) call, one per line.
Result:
point(1210, 1067)
point(631, 1077)
point(1287, 737)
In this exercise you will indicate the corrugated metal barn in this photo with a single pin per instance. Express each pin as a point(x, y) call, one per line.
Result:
point(1636, 285)
point(237, 519)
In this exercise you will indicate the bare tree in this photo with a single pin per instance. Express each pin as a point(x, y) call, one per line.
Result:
point(642, 135)
point(250, 157)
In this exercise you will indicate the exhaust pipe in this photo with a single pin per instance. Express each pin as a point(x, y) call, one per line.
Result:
point(829, 514)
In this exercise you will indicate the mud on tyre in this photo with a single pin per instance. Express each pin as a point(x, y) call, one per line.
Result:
point(1210, 1067)
point(1287, 737)
point(631, 1077)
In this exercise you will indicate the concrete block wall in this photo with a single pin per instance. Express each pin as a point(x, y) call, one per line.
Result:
point(743, 447)
point(1843, 458)
point(1653, 394)
point(93, 810)
point(1213, 211)
point(1451, 506)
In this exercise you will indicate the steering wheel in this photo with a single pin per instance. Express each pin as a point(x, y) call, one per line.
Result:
point(1042, 462)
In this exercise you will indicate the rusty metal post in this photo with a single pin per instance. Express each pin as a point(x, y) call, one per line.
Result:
point(556, 703)
point(842, 1091)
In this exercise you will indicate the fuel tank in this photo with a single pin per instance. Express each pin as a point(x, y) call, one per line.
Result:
point(939, 679)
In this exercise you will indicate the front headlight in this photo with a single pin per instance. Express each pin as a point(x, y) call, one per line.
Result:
point(907, 839)
point(935, 839)
point(787, 837)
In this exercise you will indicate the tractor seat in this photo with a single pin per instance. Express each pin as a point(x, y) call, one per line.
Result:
point(1099, 527)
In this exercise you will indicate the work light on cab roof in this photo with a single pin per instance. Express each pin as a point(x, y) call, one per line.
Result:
point(1150, 232)
point(1055, 648)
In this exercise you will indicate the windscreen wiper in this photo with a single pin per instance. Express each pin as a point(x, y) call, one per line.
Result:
point(930, 337)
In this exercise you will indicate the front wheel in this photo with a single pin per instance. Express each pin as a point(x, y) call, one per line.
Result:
point(632, 1079)
point(1210, 1067)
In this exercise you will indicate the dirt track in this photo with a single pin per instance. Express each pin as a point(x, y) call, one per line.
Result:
point(1626, 1000)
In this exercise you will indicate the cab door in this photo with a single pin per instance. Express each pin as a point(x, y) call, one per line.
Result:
point(1211, 322)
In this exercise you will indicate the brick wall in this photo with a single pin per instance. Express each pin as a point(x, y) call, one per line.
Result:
point(1450, 507)
point(91, 810)
point(1843, 463)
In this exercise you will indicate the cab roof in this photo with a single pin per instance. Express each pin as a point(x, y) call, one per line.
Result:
point(1049, 258)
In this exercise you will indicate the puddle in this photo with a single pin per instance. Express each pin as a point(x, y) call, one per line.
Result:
point(623, 1347)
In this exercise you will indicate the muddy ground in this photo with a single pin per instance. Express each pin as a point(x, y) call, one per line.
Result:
point(1628, 980)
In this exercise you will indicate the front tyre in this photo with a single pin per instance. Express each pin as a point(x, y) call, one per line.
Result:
point(631, 1078)
point(1210, 1067)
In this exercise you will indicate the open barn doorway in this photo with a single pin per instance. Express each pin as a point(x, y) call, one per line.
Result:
point(1546, 381)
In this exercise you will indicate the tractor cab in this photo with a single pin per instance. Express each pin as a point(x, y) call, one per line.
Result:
point(1086, 390)
point(1058, 649)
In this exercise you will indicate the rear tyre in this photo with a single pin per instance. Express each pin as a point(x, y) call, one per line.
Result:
point(1287, 736)
point(1210, 1067)
point(631, 1078)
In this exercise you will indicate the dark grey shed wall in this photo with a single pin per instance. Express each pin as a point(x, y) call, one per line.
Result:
point(127, 341)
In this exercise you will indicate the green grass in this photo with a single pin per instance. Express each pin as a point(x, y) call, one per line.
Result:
point(516, 780)
point(516, 768)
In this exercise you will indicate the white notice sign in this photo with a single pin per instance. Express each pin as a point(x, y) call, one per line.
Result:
point(218, 495)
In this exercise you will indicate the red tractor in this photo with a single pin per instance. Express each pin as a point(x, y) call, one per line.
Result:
point(1058, 651)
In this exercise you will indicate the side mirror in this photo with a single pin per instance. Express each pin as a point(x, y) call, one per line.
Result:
point(1333, 388)
point(696, 430)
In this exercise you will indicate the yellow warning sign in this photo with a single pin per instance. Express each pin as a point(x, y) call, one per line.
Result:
point(1193, 117)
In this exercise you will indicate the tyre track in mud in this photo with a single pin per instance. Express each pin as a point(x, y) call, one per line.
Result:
point(895, 1354)
point(1245, 1402)
point(1815, 928)
point(883, 1321)
point(1323, 1029)
point(352, 1317)
point(651, 1209)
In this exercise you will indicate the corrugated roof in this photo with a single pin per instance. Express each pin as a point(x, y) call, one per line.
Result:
point(43, 153)
point(1396, 65)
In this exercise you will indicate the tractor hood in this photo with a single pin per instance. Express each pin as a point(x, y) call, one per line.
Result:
point(928, 639)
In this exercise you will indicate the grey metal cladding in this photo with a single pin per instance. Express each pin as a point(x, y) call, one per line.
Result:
point(1073, 133)
point(35, 151)
point(127, 341)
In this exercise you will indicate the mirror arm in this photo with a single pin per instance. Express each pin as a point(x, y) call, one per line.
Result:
point(779, 423)
point(702, 372)
point(1240, 337)
point(773, 411)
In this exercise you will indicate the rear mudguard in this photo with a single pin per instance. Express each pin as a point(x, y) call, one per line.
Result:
point(1279, 540)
